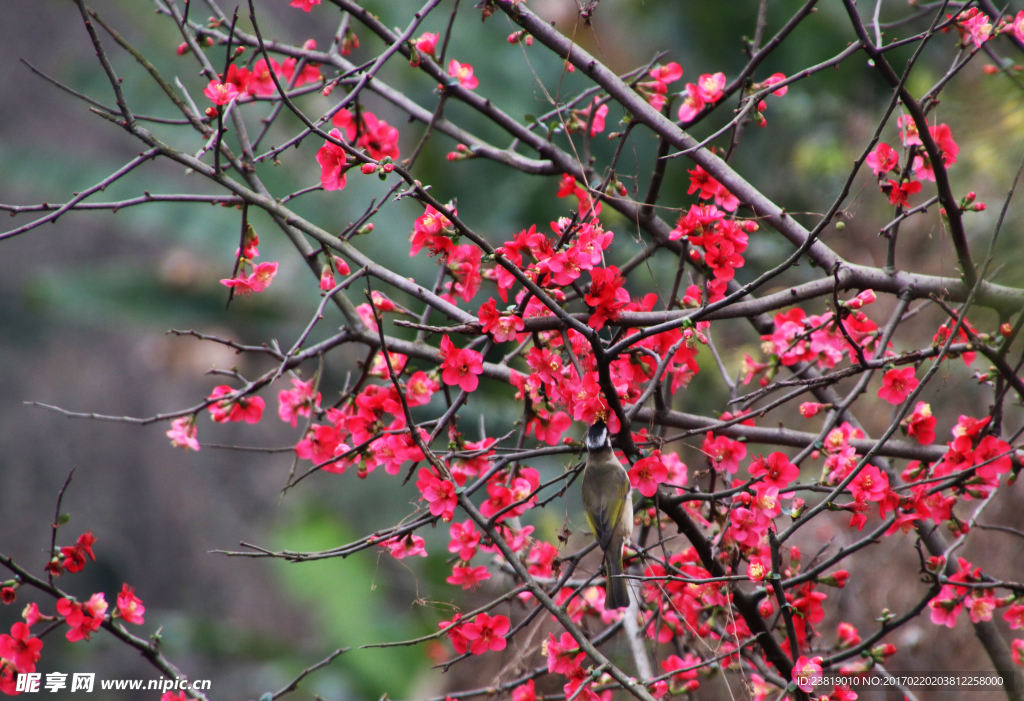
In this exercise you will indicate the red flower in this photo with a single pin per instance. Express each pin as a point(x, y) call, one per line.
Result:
point(468, 577)
point(486, 633)
point(883, 159)
point(597, 123)
point(183, 433)
point(304, 5)
point(807, 673)
point(848, 635)
point(333, 163)
point(870, 484)
point(247, 409)
point(420, 388)
point(239, 77)
point(428, 232)
point(899, 192)
point(548, 428)
point(606, 296)
point(710, 86)
point(440, 494)
point(647, 473)
point(526, 692)
point(260, 80)
point(21, 648)
point(129, 606)
point(809, 409)
point(405, 546)
point(8, 595)
point(772, 80)
point(540, 560)
point(776, 469)
point(257, 281)
point(692, 104)
point(378, 138)
point(897, 384)
point(724, 453)
point(221, 93)
point(74, 555)
point(465, 540)
point(921, 424)
point(455, 634)
point(460, 366)
point(296, 402)
point(82, 619)
point(427, 42)
point(463, 72)
point(563, 654)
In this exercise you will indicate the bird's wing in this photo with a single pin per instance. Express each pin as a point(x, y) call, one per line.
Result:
point(603, 514)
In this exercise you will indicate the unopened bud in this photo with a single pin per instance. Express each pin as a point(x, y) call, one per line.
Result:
point(328, 89)
point(368, 168)
point(212, 112)
point(1006, 329)
point(239, 50)
point(837, 579)
point(365, 229)
point(884, 650)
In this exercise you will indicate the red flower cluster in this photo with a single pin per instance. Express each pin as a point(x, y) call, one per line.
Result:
point(799, 338)
point(247, 409)
point(723, 240)
point(361, 422)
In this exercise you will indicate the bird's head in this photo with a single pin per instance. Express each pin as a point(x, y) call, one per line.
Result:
point(598, 437)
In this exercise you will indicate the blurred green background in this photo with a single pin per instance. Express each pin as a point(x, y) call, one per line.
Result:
point(85, 303)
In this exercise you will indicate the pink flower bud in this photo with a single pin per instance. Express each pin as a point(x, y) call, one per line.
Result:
point(1006, 329)
point(809, 409)
point(368, 168)
point(183, 49)
point(326, 279)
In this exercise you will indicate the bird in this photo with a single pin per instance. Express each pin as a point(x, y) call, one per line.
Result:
point(609, 508)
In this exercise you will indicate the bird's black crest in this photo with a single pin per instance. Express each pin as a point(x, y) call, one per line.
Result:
point(597, 436)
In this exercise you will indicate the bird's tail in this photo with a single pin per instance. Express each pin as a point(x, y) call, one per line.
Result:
point(616, 592)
